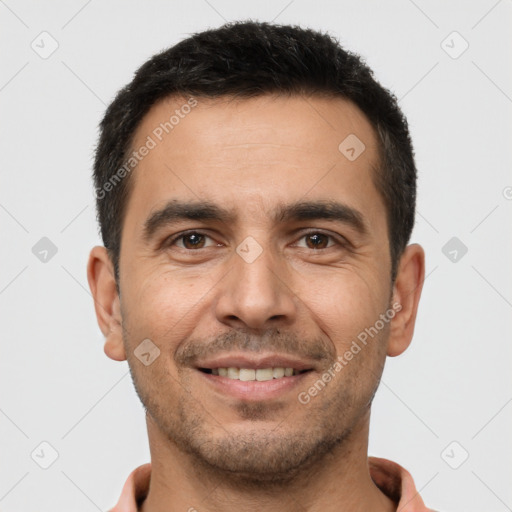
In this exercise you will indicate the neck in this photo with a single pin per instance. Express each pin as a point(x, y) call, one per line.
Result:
point(339, 482)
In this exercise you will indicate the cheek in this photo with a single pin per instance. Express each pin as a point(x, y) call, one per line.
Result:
point(163, 305)
point(345, 304)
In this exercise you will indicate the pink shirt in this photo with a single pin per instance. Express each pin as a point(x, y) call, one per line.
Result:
point(391, 478)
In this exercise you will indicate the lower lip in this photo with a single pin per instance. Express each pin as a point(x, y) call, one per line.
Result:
point(253, 389)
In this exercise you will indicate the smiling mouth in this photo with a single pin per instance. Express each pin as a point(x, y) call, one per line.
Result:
point(251, 374)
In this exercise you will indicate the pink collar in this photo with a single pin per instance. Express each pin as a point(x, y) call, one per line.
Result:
point(391, 478)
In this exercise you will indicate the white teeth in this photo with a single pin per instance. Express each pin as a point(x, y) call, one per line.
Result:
point(278, 373)
point(249, 374)
point(233, 373)
point(246, 374)
point(264, 374)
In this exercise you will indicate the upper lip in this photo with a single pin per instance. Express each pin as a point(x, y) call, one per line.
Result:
point(256, 361)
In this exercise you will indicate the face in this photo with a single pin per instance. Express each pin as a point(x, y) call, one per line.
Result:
point(254, 247)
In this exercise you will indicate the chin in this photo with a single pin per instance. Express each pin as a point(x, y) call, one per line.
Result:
point(253, 457)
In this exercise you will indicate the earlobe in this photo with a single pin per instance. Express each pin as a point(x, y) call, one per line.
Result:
point(102, 283)
point(406, 292)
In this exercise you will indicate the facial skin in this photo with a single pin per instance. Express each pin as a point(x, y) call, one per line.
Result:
point(199, 300)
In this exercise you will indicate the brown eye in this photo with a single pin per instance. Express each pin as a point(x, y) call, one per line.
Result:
point(317, 241)
point(192, 240)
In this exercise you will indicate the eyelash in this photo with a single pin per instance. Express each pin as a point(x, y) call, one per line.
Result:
point(337, 241)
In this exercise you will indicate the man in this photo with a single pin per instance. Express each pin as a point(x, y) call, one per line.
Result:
point(256, 193)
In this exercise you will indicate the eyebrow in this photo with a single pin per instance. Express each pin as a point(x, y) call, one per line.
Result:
point(176, 210)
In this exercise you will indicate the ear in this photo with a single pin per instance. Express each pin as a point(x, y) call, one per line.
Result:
point(406, 293)
point(100, 274)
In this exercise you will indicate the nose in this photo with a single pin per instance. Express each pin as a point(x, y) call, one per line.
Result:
point(257, 294)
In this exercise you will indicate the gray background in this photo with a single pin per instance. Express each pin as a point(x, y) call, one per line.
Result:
point(453, 384)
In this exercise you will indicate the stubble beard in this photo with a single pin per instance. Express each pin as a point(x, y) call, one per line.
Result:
point(258, 456)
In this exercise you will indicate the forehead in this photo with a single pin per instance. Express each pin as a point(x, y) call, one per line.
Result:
point(249, 153)
point(311, 124)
